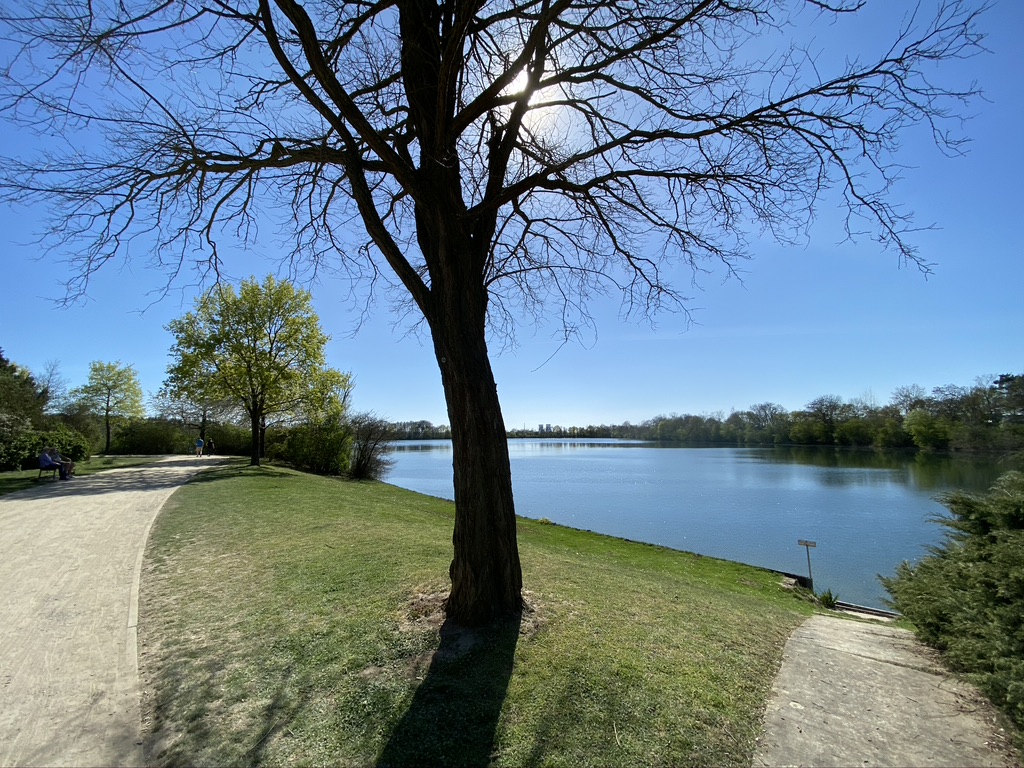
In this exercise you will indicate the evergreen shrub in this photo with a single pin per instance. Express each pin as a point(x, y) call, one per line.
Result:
point(966, 598)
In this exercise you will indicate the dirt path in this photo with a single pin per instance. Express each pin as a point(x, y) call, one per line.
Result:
point(868, 694)
point(70, 558)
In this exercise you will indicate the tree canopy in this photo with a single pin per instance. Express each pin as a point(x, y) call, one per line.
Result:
point(260, 348)
point(501, 160)
point(112, 392)
point(22, 399)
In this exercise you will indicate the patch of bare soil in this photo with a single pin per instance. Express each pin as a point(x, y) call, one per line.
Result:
point(424, 614)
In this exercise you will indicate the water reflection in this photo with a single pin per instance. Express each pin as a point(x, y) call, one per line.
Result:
point(421, 446)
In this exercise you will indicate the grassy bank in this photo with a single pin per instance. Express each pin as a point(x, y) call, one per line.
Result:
point(292, 619)
point(27, 478)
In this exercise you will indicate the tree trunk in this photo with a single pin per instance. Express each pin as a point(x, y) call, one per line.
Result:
point(485, 571)
point(255, 422)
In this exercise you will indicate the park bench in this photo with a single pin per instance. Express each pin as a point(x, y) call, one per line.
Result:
point(51, 469)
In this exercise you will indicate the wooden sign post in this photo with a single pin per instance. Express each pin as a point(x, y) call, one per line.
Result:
point(808, 545)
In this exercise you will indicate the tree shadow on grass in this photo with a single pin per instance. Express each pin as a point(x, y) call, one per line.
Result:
point(236, 468)
point(454, 714)
point(193, 732)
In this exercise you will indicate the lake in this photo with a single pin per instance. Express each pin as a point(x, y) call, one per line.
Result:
point(866, 511)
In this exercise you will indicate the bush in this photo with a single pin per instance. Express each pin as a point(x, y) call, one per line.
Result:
point(20, 447)
point(322, 447)
point(370, 459)
point(966, 598)
point(229, 439)
point(16, 441)
point(68, 441)
point(150, 436)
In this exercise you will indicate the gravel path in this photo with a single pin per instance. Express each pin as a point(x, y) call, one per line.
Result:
point(70, 559)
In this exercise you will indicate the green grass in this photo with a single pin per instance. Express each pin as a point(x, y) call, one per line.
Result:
point(288, 619)
point(28, 478)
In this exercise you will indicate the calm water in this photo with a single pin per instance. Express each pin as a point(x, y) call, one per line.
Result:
point(866, 512)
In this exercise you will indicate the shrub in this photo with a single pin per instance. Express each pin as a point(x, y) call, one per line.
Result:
point(20, 447)
point(828, 599)
point(966, 597)
point(16, 441)
point(229, 439)
point(149, 436)
point(372, 438)
point(68, 441)
point(323, 447)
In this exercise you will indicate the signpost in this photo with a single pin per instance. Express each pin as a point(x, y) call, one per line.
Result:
point(808, 545)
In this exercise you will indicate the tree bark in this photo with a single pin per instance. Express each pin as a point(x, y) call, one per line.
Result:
point(106, 423)
point(485, 571)
point(255, 422)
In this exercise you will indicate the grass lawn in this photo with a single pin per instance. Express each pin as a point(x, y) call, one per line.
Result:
point(292, 619)
point(26, 478)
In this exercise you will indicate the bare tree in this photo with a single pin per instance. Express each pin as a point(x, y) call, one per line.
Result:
point(767, 415)
point(504, 160)
point(907, 398)
point(56, 385)
point(828, 410)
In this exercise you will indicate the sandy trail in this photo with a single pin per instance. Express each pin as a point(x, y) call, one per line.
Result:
point(70, 559)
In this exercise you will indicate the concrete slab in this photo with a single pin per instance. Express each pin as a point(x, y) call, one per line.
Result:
point(70, 560)
point(853, 693)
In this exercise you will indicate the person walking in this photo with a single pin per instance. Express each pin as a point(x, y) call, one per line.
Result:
point(199, 446)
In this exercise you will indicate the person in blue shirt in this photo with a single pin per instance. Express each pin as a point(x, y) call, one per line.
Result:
point(46, 461)
point(199, 446)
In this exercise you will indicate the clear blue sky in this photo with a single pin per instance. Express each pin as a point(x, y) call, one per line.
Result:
point(824, 318)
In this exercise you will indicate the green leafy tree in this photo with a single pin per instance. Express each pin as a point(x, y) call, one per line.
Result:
point(929, 432)
point(22, 399)
point(21, 410)
point(112, 393)
point(1011, 390)
point(261, 348)
point(505, 160)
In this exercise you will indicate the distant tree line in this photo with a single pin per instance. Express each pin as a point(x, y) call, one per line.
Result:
point(419, 430)
point(988, 416)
